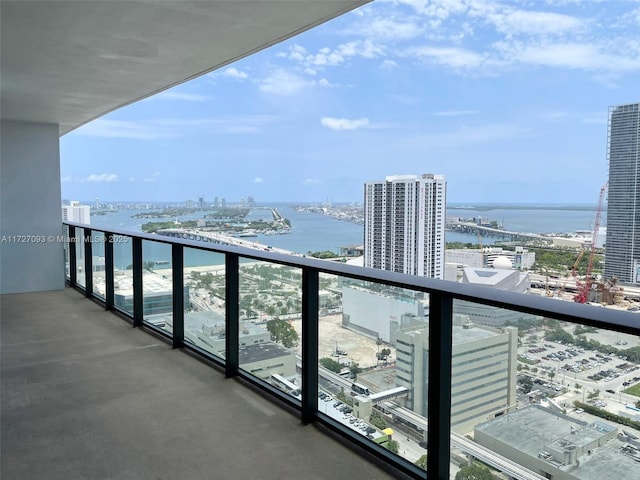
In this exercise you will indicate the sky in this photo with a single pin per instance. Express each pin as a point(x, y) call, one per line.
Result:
point(507, 99)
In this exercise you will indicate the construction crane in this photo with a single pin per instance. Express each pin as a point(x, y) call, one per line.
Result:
point(584, 288)
point(574, 268)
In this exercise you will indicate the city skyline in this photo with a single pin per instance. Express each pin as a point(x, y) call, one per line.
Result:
point(508, 100)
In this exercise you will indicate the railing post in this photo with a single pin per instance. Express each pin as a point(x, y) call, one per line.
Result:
point(108, 271)
point(232, 314)
point(310, 286)
point(73, 272)
point(87, 240)
point(177, 265)
point(439, 386)
point(138, 296)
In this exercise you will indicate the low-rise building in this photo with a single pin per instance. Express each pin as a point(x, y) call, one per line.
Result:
point(520, 257)
point(483, 382)
point(378, 311)
point(501, 276)
point(560, 447)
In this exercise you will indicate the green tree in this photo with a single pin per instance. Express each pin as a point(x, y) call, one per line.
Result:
point(526, 383)
point(422, 462)
point(377, 420)
point(392, 446)
point(355, 369)
point(577, 387)
point(593, 394)
point(282, 332)
point(474, 472)
point(330, 364)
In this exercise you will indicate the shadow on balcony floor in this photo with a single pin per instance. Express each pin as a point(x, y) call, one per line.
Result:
point(85, 395)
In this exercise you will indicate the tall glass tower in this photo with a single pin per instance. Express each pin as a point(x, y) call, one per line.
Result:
point(622, 258)
point(404, 220)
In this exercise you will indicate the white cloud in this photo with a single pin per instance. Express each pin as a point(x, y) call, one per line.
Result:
point(388, 65)
point(344, 123)
point(233, 72)
point(152, 178)
point(453, 57)
point(258, 180)
point(190, 97)
point(386, 28)
point(66, 179)
point(323, 82)
point(102, 177)
point(572, 56)
point(454, 113)
point(131, 179)
point(515, 22)
point(310, 181)
point(284, 83)
point(327, 57)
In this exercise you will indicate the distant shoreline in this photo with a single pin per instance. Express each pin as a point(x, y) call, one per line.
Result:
point(486, 208)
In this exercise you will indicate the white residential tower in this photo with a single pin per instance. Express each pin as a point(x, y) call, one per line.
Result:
point(404, 220)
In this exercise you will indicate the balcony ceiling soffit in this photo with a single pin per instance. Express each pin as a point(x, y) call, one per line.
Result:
point(69, 62)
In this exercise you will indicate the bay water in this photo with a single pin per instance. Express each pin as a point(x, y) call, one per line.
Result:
point(313, 232)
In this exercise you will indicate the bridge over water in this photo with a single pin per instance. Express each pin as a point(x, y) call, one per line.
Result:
point(470, 227)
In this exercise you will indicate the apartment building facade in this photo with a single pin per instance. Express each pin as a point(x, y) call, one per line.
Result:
point(405, 224)
point(622, 258)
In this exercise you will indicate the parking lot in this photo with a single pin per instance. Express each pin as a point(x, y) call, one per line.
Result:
point(581, 371)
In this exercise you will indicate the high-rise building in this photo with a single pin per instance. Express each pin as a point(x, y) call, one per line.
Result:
point(622, 258)
point(404, 220)
point(76, 213)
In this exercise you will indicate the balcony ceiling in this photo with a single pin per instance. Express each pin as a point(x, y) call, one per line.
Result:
point(69, 62)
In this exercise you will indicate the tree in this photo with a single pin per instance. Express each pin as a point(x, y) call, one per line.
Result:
point(330, 364)
point(392, 446)
point(355, 369)
point(377, 420)
point(422, 462)
point(526, 382)
point(577, 386)
point(282, 332)
point(593, 394)
point(551, 374)
point(474, 472)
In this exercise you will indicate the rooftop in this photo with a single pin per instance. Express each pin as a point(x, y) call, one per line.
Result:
point(533, 429)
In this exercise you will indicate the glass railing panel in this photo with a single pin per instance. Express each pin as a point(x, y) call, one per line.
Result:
point(98, 264)
point(372, 362)
point(79, 241)
point(549, 397)
point(270, 328)
point(204, 319)
point(157, 285)
point(123, 274)
point(65, 246)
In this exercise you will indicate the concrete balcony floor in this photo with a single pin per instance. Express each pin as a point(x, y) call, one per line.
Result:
point(86, 396)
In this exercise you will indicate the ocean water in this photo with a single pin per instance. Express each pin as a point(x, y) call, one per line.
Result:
point(316, 232)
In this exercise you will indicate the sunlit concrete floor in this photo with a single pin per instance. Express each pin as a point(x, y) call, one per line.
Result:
point(87, 396)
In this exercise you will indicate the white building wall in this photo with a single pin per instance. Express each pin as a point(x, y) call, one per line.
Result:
point(375, 314)
point(76, 213)
point(483, 375)
point(31, 255)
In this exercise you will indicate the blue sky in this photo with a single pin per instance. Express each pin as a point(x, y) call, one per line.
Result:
point(507, 99)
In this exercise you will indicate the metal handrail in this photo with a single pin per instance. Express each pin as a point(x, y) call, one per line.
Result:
point(442, 295)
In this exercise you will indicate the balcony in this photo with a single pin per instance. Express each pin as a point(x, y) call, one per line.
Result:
point(76, 378)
